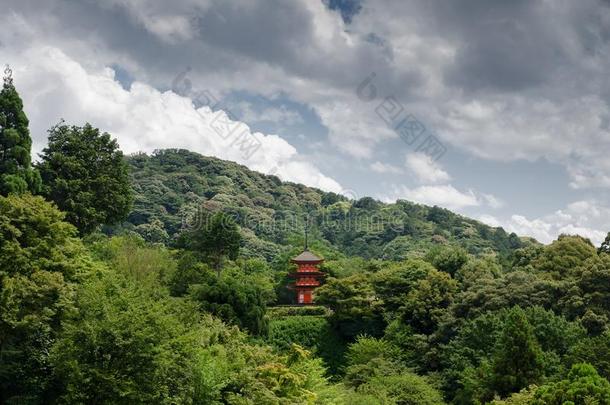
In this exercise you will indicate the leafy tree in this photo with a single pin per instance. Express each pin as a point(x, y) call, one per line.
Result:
point(240, 300)
point(565, 255)
point(583, 386)
point(40, 259)
point(369, 357)
point(84, 173)
point(396, 280)
point(16, 174)
point(215, 239)
point(447, 259)
point(517, 361)
point(594, 350)
point(428, 301)
point(467, 359)
point(356, 309)
point(125, 345)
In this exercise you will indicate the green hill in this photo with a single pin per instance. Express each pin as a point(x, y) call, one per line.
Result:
point(173, 186)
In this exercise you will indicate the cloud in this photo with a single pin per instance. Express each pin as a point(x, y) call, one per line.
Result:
point(504, 81)
point(489, 220)
point(492, 201)
point(385, 168)
point(445, 196)
point(425, 169)
point(586, 218)
point(54, 86)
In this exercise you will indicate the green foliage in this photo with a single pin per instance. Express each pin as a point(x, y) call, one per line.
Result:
point(313, 333)
point(517, 361)
point(172, 185)
point(593, 350)
point(428, 301)
point(308, 310)
point(356, 309)
point(40, 259)
point(447, 259)
point(368, 358)
point(564, 255)
point(469, 358)
point(16, 174)
point(240, 300)
point(130, 256)
point(234, 372)
point(406, 388)
point(523, 397)
point(307, 331)
point(84, 173)
point(479, 313)
point(395, 281)
point(215, 239)
point(124, 345)
point(583, 386)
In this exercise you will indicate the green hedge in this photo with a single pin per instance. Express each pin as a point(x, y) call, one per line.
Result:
point(311, 310)
point(311, 332)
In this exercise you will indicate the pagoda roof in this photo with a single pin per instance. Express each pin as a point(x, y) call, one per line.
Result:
point(307, 257)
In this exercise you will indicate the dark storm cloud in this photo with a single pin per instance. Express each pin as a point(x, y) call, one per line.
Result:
point(434, 56)
point(505, 45)
point(514, 45)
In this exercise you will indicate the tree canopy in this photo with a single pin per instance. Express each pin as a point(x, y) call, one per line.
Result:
point(85, 174)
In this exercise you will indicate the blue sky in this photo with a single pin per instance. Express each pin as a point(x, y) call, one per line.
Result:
point(516, 92)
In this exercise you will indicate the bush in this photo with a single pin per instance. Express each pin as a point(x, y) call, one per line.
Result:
point(407, 389)
point(311, 332)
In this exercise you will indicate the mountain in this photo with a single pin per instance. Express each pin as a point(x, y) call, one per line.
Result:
point(173, 186)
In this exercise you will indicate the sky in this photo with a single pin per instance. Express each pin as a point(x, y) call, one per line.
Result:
point(495, 109)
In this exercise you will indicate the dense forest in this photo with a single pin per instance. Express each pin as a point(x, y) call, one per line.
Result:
point(172, 186)
point(162, 279)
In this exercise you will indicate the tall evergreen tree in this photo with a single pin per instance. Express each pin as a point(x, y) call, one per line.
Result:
point(517, 362)
point(16, 173)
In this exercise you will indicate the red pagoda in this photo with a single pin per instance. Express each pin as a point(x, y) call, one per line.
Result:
point(307, 276)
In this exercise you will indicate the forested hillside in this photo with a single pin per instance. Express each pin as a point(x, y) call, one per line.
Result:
point(156, 280)
point(173, 186)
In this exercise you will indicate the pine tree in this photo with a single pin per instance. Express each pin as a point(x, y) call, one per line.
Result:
point(517, 362)
point(16, 173)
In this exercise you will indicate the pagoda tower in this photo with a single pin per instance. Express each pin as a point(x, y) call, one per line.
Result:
point(307, 277)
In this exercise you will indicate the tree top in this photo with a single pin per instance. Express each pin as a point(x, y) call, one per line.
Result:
point(8, 76)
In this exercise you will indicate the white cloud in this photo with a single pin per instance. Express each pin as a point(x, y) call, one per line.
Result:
point(385, 168)
point(537, 228)
point(492, 200)
point(584, 218)
point(425, 169)
point(445, 196)
point(489, 220)
point(142, 118)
